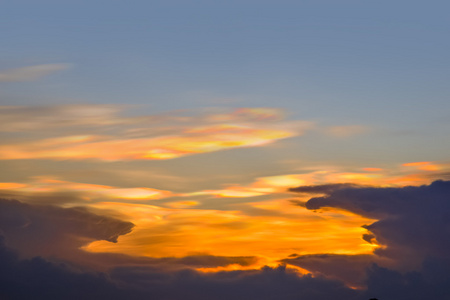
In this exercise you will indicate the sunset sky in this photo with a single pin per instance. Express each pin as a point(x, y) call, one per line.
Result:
point(225, 150)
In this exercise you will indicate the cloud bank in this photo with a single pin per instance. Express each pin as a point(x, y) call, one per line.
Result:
point(413, 261)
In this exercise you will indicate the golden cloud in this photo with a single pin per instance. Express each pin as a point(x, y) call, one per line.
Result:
point(141, 137)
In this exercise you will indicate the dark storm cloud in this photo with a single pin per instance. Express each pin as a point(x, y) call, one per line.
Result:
point(431, 281)
point(265, 284)
point(412, 224)
point(413, 221)
point(50, 230)
point(39, 279)
point(349, 268)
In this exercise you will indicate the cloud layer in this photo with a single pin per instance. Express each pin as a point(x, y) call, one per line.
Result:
point(412, 263)
point(100, 132)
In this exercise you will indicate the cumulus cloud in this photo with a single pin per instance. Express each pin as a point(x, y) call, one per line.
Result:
point(350, 269)
point(54, 231)
point(412, 224)
point(30, 73)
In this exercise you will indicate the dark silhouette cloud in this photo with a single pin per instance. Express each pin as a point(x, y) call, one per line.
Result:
point(413, 228)
point(38, 278)
point(349, 268)
point(413, 221)
point(265, 284)
point(431, 281)
point(50, 230)
point(322, 188)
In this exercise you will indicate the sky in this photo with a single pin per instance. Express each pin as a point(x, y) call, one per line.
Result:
point(224, 149)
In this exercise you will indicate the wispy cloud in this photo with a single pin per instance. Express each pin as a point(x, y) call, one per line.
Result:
point(152, 137)
point(30, 73)
point(79, 192)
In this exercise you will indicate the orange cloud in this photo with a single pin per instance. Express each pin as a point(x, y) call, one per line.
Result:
point(187, 135)
point(174, 232)
point(396, 176)
point(423, 165)
point(87, 190)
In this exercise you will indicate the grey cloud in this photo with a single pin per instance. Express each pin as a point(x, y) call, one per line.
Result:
point(30, 73)
point(430, 282)
point(50, 230)
point(413, 221)
point(26, 118)
point(267, 283)
point(349, 268)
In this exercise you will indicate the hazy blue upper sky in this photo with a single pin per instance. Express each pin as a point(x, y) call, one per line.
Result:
point(380, 64)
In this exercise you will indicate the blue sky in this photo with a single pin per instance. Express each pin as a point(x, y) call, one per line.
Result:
point(380, 64)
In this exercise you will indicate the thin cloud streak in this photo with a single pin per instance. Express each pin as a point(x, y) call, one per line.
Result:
point(154, 137)
point(30, 73)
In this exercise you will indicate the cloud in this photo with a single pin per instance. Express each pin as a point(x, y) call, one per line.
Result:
point(38, 278)
point(350, 269)
point(91, 132)
point(322, 188)
point(45, 274)
point(136, 278)
point(50, 230)
point(30, 73)
point(267, 283)
point(412, 220)
point(49, 190)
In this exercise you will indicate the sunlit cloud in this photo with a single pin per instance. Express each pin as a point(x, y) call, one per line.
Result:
point(86, 191)
point(179, 232)
point(421, 173)
point(423, 165)
point(183, 204)
point(30, 73)
point(141, 137)
point(177, 227)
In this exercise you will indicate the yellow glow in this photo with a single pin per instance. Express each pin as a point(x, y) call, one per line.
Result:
point(11, 185)
point(372, 169)
point(196, 140)
point(270, 229)
point(183, 204)
point(283, 180)
point(163, 232)
point(423, 165)
point(89, 190)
